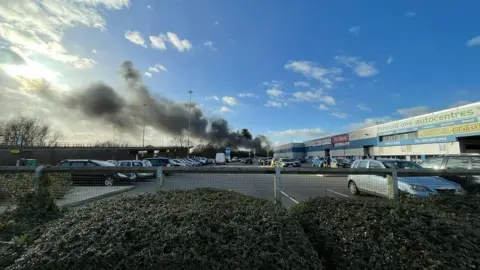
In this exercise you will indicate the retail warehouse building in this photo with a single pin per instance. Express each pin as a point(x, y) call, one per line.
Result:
point(451, 131)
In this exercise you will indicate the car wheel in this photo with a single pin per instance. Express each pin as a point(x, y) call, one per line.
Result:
point(108, 181)
point(353, 188)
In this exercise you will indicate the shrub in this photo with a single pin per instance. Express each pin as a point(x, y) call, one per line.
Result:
point(195, 229)
point(22, 225)
point(15, 186)
point(437, 233)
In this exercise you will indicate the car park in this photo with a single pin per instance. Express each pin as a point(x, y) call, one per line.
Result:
point(92, 177)
point(177, 163)
point(422, 186)
point(471, 183)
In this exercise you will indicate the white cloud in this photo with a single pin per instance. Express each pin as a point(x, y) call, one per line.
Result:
point(395, 95)
point(180, 44)
point(364, 107)
point(212, 98)
point(274, 92)
point(340, 115)
point(328, 99)
point(301, 84)
point(225, 109)
point(360, 68)
point(94, 51)
point(209, 44)
point(460, 103)
point(322, 107)
point(158, 42)
point(244, 95)
point(148, 74)
point(149, 7)
point(413, 111)
point(390, 59)
point(275, 104)
point(229, 100)
point(308, 96)
point(135, 37)
point(303, 132)
point(410, 14)
point(312, 70)
point(368, 122)
point(157, 68)
point(39, 27)
point(462, 92)
point(216, 23)
point(475, 41)
point(354, 30)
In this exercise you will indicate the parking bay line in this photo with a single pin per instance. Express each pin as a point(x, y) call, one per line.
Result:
point(338, 193)
point(288, 196)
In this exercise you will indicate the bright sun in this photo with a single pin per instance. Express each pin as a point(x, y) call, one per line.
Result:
point(31, 70)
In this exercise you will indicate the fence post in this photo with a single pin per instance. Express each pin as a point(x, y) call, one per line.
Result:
point(276, 185)
point(37, 176)
point(392, 181)
point(159, 178)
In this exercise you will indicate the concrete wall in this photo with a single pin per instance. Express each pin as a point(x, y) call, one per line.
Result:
point(55, 155)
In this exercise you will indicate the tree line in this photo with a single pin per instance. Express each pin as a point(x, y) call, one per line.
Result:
point(33, 132)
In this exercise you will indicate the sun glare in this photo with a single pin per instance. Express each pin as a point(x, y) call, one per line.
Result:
point(32, 70)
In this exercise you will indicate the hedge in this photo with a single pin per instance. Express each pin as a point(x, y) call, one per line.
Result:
point(15, 186)
point(195, 229)
point(23, 224)
point(437, 233)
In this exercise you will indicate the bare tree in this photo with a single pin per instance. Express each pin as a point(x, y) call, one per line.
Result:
point(179, 141)
point(28, 131)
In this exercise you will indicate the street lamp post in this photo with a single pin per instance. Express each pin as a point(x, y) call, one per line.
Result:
point(144, 122)
point(190, 92)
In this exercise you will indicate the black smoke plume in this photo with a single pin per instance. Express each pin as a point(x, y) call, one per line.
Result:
point(102, 101)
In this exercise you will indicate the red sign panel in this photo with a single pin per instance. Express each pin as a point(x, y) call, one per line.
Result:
point(340, 138)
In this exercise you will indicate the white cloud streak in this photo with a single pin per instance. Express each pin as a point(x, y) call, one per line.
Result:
point(225, 109)
point(312, 70)
point(212, 98)
point(410, 14)
point(157, 68)
point(209, 44)
point(158, 42)
point(364, 107)
point(245, 95)
point(229, 100)
point(340, 115)
point(274, 92)
point(475, 41)
point(354, 30)
point(301, 84)
point(148, 74)
point(368, 122)
point(303, 132)
point(275, 104)
point(413, 111)
point(181, 45)
point(135, 37)
point(359, 67)
point(322, 107)
point(390, 60)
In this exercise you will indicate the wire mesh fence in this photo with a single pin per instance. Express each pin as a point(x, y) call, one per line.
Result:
point(288, 186)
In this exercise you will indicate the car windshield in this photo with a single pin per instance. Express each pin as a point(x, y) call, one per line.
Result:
point(340, 160)
point(401, 165)
point(287, 160)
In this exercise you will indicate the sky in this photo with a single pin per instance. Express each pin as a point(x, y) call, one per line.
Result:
point(291, 70)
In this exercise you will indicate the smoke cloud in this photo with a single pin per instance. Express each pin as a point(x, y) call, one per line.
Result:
point(100, 101)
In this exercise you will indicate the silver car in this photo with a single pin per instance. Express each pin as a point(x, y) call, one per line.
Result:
point(422, 186)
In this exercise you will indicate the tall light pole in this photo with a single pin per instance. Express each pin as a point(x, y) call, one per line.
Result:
point(144, 121)
point(190, 92)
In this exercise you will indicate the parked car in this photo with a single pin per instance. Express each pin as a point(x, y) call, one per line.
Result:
point(93, 177)
point(422, 186)
point(203, 160)
point(471, 183)
point(288, 162)
point(339, 163)
point(317, 162)
point(137, 163)
point(177, 163)
point(194, 162)
point(248, 161)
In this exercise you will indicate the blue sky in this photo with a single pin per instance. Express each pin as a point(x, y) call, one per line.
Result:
point(292, 70)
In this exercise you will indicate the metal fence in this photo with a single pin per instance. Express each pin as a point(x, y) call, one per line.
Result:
point(288, 186)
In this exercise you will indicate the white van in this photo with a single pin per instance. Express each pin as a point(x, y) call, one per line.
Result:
point(220, 158)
